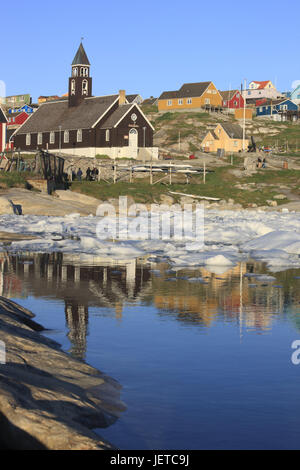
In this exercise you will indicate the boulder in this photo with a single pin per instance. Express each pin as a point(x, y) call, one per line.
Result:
point(5, 206)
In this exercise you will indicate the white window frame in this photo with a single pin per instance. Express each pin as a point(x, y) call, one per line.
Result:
point(28, 139)
point(189, 101)
point(207, 101)
point(170, 102)
point(73, 87)
point(79, 135)
point(40, 138)
point(66, 137)
point(52, 138)
point(180, 102)
point(107, 135)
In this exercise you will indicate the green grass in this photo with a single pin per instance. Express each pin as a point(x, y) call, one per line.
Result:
point(288, 139)
point(220, 184)
point(15, 179)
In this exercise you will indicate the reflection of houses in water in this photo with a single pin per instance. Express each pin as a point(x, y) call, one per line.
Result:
point(80, 281)
point(227, 294)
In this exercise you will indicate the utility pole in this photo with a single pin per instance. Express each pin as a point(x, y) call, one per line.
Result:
point(244, 124)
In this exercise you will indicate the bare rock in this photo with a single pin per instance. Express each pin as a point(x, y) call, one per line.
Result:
point(49, 400)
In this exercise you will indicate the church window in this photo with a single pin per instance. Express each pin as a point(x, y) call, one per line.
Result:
point(73, 87)
point(107, 135)
point(28, 139)
point(79, 135)
point(66, 137)
point(40, 138)
point(52, 137)
point(75, 72)
point(85, 87)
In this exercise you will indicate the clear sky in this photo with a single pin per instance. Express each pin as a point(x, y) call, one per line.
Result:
point(146, 46)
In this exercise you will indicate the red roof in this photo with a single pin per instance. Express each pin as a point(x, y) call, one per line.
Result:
point(262, 85)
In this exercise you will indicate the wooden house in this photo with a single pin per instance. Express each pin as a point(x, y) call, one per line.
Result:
point(275, 109)
point(16, 119)
point(232, 99)
point(85, 125)
point(227, 137)
point(191, 96)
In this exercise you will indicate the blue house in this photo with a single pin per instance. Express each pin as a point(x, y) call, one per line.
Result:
point(29, 109)
point(276, 107)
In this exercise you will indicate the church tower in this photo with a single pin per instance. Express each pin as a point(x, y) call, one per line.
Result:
point(80, 84)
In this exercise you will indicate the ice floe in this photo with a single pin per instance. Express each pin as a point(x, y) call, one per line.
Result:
point(230, 237)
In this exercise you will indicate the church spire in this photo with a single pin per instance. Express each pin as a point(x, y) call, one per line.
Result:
point(80, 84)
point(81, 58)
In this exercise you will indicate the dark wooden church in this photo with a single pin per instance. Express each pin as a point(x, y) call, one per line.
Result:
point(85, 125)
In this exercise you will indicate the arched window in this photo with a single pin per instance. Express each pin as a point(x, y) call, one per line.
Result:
point(73, 87)
point(82, 71)
point(75, 72)
point(86, 72)
point(85, 87)
point(66, 137)
point(79, 135)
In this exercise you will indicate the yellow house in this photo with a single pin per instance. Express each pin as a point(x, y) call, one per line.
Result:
point(191, 96)
point(226, 136)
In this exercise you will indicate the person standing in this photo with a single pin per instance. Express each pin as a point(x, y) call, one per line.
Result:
point(79, 174)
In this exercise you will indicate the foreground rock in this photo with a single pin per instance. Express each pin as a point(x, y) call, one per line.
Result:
point(48, 400)
point(18, 200)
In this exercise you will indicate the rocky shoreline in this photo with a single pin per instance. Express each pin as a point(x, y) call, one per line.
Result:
point(49, 400)
point(24, 202)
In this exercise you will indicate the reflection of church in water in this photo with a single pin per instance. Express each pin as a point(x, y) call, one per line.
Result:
point(81, 284)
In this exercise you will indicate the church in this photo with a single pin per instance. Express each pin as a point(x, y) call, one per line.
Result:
point(86, 125)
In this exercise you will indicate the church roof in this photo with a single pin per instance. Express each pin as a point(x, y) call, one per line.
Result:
point(50, 116)
point(81, 57)
point(116, 116)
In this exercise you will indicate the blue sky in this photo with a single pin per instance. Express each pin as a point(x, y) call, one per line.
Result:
point(148, 47)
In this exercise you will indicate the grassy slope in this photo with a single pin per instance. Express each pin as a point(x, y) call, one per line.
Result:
point(220, 184)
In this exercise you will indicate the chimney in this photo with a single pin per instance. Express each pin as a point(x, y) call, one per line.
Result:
point(122, 97)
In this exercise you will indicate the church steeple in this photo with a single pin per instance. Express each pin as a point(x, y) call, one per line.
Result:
point(80, 84)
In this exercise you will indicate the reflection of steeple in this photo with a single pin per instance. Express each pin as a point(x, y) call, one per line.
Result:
point(77, 321)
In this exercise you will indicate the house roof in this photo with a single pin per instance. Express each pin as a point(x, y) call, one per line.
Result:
point(131, 98)
point(234, 131)
point(188, 90)
point(81, 57)
point(262, 85)
point(228, 94)
point(149, 101)
point(273, 102)
point(50, 116)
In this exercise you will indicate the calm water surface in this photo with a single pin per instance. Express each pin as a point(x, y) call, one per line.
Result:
point(203, 364)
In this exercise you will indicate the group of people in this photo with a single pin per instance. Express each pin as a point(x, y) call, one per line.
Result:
point(91, 175)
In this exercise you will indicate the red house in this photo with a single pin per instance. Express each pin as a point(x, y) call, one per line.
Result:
point(232, 99)
point(3, 123)
point(16, 119)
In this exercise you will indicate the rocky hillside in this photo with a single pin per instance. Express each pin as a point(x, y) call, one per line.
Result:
point(183, 132)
